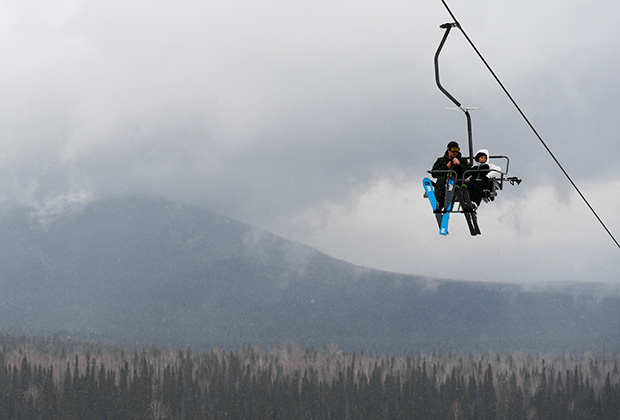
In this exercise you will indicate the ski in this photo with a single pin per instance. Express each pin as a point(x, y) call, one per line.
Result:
point(430, 194)
point(468, 210)
point(472, 213)
point(443, 229)
point(465, 209)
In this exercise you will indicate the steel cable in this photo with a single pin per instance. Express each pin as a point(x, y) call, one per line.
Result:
point(458, 25)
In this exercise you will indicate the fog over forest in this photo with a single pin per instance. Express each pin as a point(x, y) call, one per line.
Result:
point(48, 377)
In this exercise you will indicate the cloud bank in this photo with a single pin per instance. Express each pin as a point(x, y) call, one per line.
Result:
point(317, 121)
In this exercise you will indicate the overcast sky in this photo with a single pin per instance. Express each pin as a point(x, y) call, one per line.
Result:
point(317, 120)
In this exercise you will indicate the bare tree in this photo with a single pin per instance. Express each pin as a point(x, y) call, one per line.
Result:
point(159, 411)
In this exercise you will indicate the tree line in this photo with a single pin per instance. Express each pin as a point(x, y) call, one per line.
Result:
point(52, 379)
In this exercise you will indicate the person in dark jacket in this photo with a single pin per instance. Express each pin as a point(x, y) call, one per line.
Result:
point(451, 161)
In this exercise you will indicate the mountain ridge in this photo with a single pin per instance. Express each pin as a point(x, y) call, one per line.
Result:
point(152, 271)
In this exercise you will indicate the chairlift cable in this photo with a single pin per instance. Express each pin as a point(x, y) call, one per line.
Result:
point(458, 25)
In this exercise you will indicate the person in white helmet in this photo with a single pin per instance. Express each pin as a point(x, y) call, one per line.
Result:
point(480, 182)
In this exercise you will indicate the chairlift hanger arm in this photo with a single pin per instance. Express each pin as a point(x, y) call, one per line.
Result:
point(448, 27)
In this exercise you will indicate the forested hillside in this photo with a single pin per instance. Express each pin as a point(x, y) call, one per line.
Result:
point(143, 271)
point(52, 379)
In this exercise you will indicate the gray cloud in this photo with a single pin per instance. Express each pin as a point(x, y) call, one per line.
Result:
point(296, 116)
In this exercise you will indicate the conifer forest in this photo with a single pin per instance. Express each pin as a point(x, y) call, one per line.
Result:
point(52, 378)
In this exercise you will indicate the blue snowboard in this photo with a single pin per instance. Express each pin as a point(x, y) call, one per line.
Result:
point(443, 228)
point(430, 194)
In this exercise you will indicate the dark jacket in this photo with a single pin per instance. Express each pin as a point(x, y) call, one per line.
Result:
point(440, 169)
